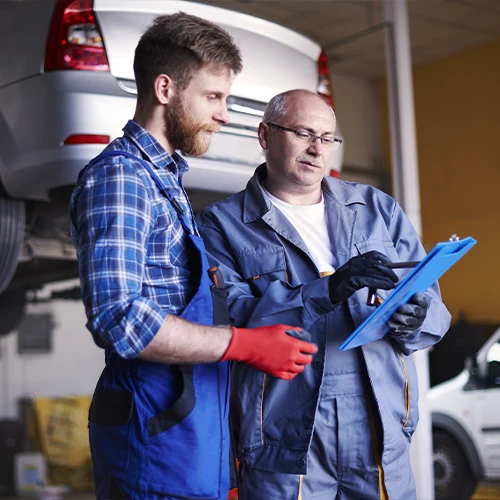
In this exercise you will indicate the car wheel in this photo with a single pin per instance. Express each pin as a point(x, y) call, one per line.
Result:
point(453, 479)
point(12, 221)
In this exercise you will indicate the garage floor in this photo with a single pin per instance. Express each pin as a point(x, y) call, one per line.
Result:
point(485, 491)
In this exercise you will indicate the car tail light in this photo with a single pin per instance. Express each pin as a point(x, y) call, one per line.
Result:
point(86, 139)
point(75, 40)
point(324, 80)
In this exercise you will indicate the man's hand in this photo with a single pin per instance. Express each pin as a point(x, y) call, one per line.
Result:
point(270, 349)
point(366, 270)
point(410, 316)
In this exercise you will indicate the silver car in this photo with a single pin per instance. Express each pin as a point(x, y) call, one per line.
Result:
point(67, 88)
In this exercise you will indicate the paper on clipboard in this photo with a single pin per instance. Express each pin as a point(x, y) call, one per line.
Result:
point(424, 275)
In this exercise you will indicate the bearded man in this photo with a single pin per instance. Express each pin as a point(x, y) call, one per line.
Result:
point(158, 419)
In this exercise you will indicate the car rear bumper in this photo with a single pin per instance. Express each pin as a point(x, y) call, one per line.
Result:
point(39, 113)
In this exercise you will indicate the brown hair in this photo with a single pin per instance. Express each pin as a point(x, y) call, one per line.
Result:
point(178, 45)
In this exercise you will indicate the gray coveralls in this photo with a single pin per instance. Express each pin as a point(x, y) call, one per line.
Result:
point(341, 459)
point(271, 278)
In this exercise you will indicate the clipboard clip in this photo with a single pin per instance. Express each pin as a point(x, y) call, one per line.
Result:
point(453, 237)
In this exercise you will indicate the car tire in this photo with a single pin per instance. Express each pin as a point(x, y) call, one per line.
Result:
point(12, 222)
point(453, 479)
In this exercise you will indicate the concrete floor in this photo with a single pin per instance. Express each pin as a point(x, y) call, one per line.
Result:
point(485, 491)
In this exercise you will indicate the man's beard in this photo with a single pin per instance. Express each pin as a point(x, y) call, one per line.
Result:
point(183, 133)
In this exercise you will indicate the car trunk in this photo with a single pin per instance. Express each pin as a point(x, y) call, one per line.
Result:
point(268, 49)
point(274, 59)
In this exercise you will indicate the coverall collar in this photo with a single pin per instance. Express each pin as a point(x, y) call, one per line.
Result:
point(256, 204)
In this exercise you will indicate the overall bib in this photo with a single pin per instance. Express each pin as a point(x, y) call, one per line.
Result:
point(160, 431)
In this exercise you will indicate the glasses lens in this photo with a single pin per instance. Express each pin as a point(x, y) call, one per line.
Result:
point(303, 135)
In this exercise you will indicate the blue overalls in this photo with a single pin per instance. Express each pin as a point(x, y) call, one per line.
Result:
point(160, 431)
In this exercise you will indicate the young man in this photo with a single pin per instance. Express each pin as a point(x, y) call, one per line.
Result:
point(158, 418)
point(342, 429)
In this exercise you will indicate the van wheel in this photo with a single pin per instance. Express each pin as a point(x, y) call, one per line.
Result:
point(453, 479)
point(12, 221)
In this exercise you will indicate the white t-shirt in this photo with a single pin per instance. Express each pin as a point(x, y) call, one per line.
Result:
point(310, 221)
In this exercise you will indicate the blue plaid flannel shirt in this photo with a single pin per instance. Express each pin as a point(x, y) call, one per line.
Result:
point(134, 255)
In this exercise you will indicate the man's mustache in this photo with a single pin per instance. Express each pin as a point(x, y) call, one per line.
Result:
point(310, 159)
point(214, 129)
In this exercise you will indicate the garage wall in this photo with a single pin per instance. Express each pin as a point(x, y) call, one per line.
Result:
point(457, 108)
point(75, 363)
point(72, 367)
point(357, 105)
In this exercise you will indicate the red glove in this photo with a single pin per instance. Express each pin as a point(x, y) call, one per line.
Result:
point(270, 349)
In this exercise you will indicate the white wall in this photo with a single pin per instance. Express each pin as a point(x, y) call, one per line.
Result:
point(358, 111)
point(72, 367)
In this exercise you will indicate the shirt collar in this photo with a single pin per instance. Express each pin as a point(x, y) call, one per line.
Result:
point(154, 151)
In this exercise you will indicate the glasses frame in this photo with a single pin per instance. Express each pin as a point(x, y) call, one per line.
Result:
point(312, 137)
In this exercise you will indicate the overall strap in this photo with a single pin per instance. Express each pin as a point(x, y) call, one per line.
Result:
point(161, 186)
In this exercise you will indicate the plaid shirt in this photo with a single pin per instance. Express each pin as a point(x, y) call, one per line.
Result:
point(134, 255)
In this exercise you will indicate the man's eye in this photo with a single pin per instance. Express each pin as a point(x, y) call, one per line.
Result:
point(302, 134)
point(327, 140)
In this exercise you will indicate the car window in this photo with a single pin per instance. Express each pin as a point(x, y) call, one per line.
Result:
point(493, 360)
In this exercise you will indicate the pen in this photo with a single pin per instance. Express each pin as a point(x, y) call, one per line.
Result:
point(373, 299)
point(401, 265)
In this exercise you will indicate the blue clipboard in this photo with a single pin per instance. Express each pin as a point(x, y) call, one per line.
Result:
point(421, 277)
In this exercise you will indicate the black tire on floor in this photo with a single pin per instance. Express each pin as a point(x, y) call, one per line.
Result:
point(12, 221)
point(453, 479)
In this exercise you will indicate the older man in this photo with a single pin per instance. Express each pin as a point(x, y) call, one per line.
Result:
point(301, 248)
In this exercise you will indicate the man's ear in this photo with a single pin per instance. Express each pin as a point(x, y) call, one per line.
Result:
point(263, 134)
point(164, 89)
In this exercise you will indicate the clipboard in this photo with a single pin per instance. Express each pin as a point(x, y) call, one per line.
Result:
point(424, 275)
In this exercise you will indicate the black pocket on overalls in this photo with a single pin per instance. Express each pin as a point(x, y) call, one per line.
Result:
point(180, 409)
point(111, 407)
point(219, 301)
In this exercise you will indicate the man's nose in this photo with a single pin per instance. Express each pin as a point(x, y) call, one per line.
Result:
point(222, 115)
point(316, 146)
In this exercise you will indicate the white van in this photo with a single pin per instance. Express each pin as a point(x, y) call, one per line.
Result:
point(67, 88)
point(466, 425)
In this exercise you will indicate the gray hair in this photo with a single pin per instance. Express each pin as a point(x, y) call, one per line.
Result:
point(277, 107)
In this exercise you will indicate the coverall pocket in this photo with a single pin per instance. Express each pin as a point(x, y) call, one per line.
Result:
point(180, 408)
point(262, 266)
point(109, 428)
point(219, 300)
point(385, 247)
point(185, 443)
point(111, 407)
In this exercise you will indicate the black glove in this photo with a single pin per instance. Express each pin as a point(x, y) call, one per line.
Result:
point(366, 270)
point(410, 316)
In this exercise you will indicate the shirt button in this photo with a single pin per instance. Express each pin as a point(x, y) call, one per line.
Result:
point(301, 462)
point(317, 364)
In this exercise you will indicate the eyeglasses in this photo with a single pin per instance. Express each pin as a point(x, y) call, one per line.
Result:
point(304, 135)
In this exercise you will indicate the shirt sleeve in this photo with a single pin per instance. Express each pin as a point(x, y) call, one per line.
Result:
point(112, 219)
